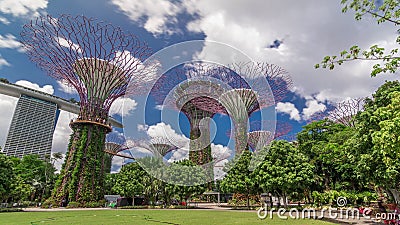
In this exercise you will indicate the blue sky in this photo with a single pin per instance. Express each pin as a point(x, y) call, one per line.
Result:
point(292, 34)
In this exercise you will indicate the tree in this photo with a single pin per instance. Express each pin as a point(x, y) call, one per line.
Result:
point(239, 179)
point(284, 170)
point(383, 11)
point(378, 137)
point(7, 177)
point(129, 180)
point(320, 141)
point(188, 178)
point(38, 173)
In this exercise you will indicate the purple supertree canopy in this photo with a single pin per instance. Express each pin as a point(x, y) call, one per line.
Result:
point(96, 58)
point(156, 145)
point(259, 139)
point(345, 111)
point(277, 127)
point(278, 79)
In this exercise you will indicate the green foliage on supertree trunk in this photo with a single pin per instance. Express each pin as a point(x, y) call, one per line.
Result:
point(82, 175)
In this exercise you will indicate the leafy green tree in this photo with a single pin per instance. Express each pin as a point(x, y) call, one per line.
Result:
point(387, 11)
point(386, 141)
point(377, 133)
point(35, 176)
point(284, 170)
point(129, 181)
point(188, 178)
point(7, 177)
point(312, 141)
point(239, 179)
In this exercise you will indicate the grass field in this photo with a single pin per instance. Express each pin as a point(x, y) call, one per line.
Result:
point(192, 217)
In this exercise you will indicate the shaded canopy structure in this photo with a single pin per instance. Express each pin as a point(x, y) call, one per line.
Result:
point(98, 60)
point(192, 90)
point(258, 140)
point(247, 98)
point(345, 111)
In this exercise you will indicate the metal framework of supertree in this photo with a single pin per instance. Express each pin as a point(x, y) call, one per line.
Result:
point(258, 140)
point(277, 127)
point(113, 146)
point(345, 111)
point(185, 89)
point(98, 60)
point(244, 99)
point(161, 145)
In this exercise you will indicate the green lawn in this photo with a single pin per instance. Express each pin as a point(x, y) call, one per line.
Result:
point(144, 217)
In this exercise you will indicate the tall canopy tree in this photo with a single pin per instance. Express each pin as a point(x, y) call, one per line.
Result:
point(7, 177)
point(284, 170)
point(239, 178)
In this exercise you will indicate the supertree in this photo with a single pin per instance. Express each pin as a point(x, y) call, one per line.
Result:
point(345, 111)
point(185, 88)
point(113, 146)
point(247, 98)
point(158, 146)
point(98, 60)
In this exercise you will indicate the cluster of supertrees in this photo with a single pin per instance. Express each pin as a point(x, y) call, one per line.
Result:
point(100, 60)
point(201, 91)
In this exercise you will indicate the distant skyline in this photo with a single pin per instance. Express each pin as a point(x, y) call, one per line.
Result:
point(292, 34)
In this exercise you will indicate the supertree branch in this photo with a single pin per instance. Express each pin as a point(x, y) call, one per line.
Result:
point(345, 111)
point(255, 74)
point(258, 140)
point(96, 58)
point(158, 146)
point(277, 127)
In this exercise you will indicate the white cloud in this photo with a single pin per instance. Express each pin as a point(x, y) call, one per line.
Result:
point(156, 14)
point(58, 163)
point(166, 131)
point(3, 62)
point(20, 8)
point(46, 88)
point(7, 107)
point(220, 152)
point(290, 109)
point(64, 87)
point(142, 127)
point(4, 20)
point(312, 107)
point(307, 34)
point(62, 132)
point(68, 44)
point(123, 106)
point(178, 155)
point(159, 107)
point(10, 41)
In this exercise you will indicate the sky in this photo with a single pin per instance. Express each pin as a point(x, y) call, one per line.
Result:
point(292, 34)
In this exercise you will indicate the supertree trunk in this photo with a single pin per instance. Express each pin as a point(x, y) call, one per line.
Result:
point(82, 176)
point(199, 147)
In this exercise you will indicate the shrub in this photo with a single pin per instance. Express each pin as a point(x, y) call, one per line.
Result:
point(93, 204)
point(49, 203)
point(73, 205)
